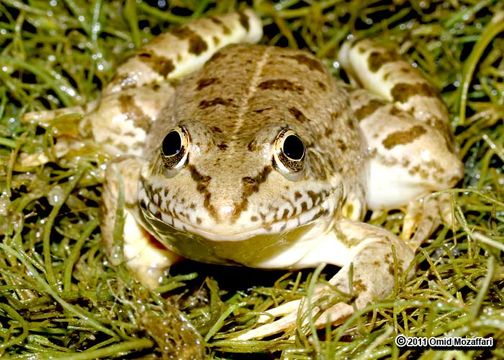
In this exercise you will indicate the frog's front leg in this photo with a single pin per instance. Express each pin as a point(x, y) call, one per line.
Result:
point(377, 259)
point(125, 238)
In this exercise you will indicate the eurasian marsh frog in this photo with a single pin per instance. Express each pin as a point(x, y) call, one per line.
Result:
point(233, 153)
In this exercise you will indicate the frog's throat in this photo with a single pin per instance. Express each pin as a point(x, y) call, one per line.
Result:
point(324, 211)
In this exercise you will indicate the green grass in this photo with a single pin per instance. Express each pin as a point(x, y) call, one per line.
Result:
point(60, 297)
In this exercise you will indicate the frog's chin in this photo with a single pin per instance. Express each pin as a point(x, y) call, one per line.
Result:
point(274, 247)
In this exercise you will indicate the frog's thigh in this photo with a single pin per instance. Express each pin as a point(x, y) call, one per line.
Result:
point(408, 158)
point(185, 48)
point(146, 259)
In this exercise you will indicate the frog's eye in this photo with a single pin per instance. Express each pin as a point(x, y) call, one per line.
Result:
point(293, 147)
point(289, 152)
point(174, 148)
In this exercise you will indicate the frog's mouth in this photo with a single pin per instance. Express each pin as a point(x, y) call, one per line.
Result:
point(237, 231)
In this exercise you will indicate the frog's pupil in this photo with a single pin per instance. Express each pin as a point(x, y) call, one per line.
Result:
point(293, 147)
point(172, 143)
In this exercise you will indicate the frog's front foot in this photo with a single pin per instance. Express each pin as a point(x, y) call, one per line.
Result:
point(378, 260)
point(289, 312)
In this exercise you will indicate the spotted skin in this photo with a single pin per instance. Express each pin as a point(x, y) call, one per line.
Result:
point(403, 115)
point(232, 195)
point(176, 53)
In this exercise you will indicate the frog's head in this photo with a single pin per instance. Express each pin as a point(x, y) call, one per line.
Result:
point(208, 181)
point(237, 155)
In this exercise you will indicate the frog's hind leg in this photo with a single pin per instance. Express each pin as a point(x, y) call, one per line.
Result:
point(406, 126)
point(186, 48)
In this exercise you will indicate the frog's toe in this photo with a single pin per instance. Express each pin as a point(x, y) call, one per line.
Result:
point(281, 310)
point(284, 323)
point(424, 215)
point(286, 316)
point(335, 315)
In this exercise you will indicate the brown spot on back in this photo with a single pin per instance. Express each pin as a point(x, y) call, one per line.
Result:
point(182, 32)
point(368, 109)
point(251, 145)
point(312, 64)
point(379, 58)
point(403, 137)
point(321, 85)
point(341, 145)
point(216, 129)
point(134, 113)
point(281, 84)
point(222, 146)
point(395, 111)
point(244, 20)
point(203, 83)
point(258, 111)
point(225, 29)
point(215, 20)
point(402, 92)
point(298, 114)
point(197, 44)
point(217, 101)
point(163, 66)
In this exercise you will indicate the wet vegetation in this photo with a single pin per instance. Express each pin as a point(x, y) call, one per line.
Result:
point(61, 297)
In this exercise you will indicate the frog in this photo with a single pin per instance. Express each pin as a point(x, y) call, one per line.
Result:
point(228, 152)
